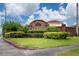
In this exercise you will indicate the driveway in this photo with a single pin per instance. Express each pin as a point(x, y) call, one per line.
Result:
point(8, 50)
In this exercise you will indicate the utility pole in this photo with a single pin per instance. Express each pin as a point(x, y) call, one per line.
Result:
point(3, 21)
point(77, 19)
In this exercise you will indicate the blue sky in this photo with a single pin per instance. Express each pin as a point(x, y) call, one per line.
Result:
point(54, 6)
point(39, 11)
point(2, 6)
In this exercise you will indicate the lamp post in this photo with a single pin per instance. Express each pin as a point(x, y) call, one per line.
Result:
point(77, 19)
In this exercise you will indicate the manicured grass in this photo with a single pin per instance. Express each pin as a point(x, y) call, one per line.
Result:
point(44, 43)
point(73, 52)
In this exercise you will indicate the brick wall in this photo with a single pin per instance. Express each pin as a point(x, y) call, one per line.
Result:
point(33, 25)
point(71, 30)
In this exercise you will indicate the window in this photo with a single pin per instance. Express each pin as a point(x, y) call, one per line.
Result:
point(38, 24)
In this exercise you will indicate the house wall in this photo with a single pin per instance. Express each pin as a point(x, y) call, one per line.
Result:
point(55, 24)
point(33, 26)
point(71, 30)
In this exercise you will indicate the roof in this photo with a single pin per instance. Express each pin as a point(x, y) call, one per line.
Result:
point(38, 20)
point(54, 21)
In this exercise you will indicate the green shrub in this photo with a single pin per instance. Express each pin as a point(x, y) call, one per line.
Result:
point(11, 26)
point(36, 31)
point(25, 29)
point(34, 35)
point(52, 29)
point(22, 35)
point(56, 35)
point(14, 34)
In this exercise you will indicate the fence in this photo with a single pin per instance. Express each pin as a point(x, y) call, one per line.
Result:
point(71, 30)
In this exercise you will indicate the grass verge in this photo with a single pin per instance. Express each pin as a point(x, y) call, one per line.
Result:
point(44, 43)
point(72, 52)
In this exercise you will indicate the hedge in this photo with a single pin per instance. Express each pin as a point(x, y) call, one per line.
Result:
point(36, 31)
point(50, 35)
point(56, 35)
point(52, 29)
point(14, 34)
point(22, 35)
point(34, 35)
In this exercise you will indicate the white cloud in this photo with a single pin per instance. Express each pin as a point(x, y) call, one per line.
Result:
point(2, 13)
point(21, 8)
point(61, 4)
point(62, 10)
point(45, 14)
point(17, 9)
point(49, 14)
point(31, 18)
point(68, 13)
point(65, 23)
point(0, 30)
point(1, 17)
point(1, 20)
point(71, 10)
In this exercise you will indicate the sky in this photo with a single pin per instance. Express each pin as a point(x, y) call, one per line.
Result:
point(25, 13)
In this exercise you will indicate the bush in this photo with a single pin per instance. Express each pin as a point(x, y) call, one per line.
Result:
point(36, 31)
point(34, 35)
point(11, 26)
point(14, 34)
point(56, 35)
point(22, 35)
point(25, 29)
point(52, 29)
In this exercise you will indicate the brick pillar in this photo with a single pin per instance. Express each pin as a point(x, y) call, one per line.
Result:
point(63, 27)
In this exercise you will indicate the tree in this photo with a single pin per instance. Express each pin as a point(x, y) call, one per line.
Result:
point(11, 26)
point(25, 29)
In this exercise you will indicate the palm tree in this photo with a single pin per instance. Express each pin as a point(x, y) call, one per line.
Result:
point(77, 19)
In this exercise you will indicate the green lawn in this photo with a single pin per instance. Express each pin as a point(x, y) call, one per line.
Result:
point(73, 52)
point(44, 43)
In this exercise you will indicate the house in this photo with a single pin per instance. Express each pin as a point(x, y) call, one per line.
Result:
point(55, 23)
point(42, 25)
point(38, 25)
point(58, 24)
